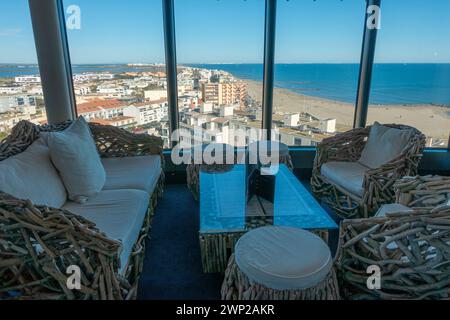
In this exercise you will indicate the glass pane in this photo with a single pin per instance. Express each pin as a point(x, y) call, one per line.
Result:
point(220, 54)
point(280, 199)
point(318, 48)
point(117, 53)
point(411, 77)
point(21, 95)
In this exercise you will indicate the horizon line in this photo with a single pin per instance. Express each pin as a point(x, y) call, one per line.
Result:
point(214, 63)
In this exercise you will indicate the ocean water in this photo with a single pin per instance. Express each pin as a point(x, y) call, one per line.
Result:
point(391, 83)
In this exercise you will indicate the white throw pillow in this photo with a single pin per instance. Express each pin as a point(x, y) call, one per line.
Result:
point(384, 144)
point(31, 175)
point(75, 155)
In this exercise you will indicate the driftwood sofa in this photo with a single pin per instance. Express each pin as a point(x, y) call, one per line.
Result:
point(104, 237)
point(410, 248)
point(356, 180)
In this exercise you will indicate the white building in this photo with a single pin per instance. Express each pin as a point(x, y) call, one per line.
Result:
point(196, 119)
point(155, 94)
point(82, 91)
point(10, 90)
point(101, 109)
point(16, 102)
point(327, 125)
point(84, 77)
point(147, 112)
point(36, 90)
point(114, 91)
point(227, 110)
point(105, 76)
point(206, 107)
point(291, 120)
point(27, 79)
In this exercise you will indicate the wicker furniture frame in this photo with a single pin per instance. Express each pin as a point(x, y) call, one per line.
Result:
point(237, 286)
point(378, 183)
point(38, 243)
point(411, 249)
point(423, 192)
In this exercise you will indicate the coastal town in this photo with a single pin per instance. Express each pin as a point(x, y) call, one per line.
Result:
point(214, 106)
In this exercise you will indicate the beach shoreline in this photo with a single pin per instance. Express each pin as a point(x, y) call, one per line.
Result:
point(432, 120)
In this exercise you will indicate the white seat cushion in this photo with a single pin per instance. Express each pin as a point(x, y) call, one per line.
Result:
point(283, 258)
point(392, 208)
point(140, 173)
point(118, 213)
point(31, 175)
point(348, 175)
point(383, 145)
point(74, 154)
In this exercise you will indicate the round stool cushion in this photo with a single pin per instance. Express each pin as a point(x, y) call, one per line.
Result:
point(283, 258)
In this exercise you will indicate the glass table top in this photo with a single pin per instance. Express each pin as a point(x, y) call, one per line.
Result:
point(229, 202)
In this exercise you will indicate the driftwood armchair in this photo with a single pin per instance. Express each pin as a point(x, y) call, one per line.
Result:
point(411, 249)
point(38, 243)
point(362, 189)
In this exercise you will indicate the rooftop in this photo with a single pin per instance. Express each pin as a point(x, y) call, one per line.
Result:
point(98, 105)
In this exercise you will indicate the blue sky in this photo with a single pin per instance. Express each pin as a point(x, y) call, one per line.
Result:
point(231, 31)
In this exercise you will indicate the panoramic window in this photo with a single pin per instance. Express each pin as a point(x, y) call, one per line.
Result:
point(411, 74)
point(220, 56)
point(117, 54)
point(318, 48)
point(21, 95)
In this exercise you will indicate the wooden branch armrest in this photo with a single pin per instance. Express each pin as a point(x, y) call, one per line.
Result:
point(399, 245)
point(422, 191)
point(116, 142)
point(38, 244)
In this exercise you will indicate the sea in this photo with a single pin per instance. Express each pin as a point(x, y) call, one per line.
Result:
point(401, 84)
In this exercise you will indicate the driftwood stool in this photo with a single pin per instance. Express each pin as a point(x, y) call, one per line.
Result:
point(280, 263)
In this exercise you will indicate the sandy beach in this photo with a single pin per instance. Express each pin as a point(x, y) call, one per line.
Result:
point(433, 121)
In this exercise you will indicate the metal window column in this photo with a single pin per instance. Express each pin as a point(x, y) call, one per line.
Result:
point(171, 65)
point(50, 38)
point(269, 66)
point(365, 70)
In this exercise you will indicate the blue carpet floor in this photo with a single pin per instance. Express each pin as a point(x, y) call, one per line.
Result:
point(172, 266)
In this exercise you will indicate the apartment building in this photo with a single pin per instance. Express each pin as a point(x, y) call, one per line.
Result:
point(155, 94)
point(16, 102)
point(147, 112)
point(101, 109)
point(222, 93)
point(82, 91)
point(119, 121)
point(10, 90)
point(114, 91)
